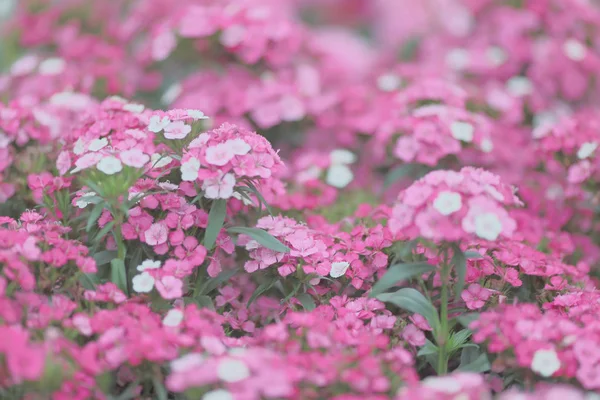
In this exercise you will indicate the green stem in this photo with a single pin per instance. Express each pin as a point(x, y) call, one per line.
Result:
point(442, 340)
point(121, 252)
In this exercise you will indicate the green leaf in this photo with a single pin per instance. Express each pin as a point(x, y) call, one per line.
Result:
point(94, 215)
point(252, 188)
point(413, 301)
point(399, 272)
point(159, 389)
point(466, 319)
point(213, 283)
point(89, 281)
point(460, 265)
point(472, 361)
point(104, 257)
point(118, 275)
point(398, 173)
point(458, 339)
point(428, 349)
point(307, 301)
point(262, 288)
point(104, 231)
point(473, 255)
point(216, 219)
point(204, 301)
point(261, 236)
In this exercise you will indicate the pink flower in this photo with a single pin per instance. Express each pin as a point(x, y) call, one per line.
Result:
point(134, 158)
point(220, 187)
point(475, 296)
point(169, 287)
point(413, 335)
point(219, 154)
point(177, 130)
point(157, 234)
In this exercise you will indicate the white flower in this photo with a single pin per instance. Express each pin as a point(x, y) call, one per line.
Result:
point(488, 226)
point(171, 94)
point(545, 362)
point(134, 108)
point(196, 114)
point(462, 131)
point(496, 55)
point(458, 59)
point(189, 169)
point(243, 199)
point(79, 147)
point(173, 318)
point(388, 82)
point(342, 157)
point(519, 86)
point(575, 50)
point(231, 370)
point(159, 160)
point(339, 176)
point(157, 123)
point(238, 146)
point(168, 185)
point(443, 384)
point(143, 283)
point(98, 144)
point(487, 145)
point(338, 268)
point(148, 264)
point(52, 66)
point(187, 362)
point(586, 150)
point(110, 165)
point(447, 202)
point(219, 394)
point(82, 202)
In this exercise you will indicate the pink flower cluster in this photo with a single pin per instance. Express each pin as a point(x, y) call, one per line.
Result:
point(450, 206)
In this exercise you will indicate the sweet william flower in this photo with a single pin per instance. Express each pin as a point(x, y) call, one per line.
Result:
point(110, 165)
point(219, 154)
point(219, 187)
point(158, 123)
point(169, 287)
point(189, 169)
point(143, 283)
point(157, 234)
point(134, 158)
point(173, 318)
point(338, 269)
point(339, 176)
point(177, 130)
point(545, 362)
point(219, 394)
point(148, 264)
point(232, 370)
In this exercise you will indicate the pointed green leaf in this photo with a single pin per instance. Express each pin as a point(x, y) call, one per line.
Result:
point(214, 283)
point(94, 216)
point(398, 173)
point(473, 255)
point(216, 219)
point(479, 364)
point(413, 301)
point(460, 266)
point(428, 349)
point(400, 272)
point(104, 231)
point(159, 389)
point(466, 319)
point(118, 276)
point(261, 236)
point(89, 281)
point(307, 301)
point(104, 257)
point(262, 288)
